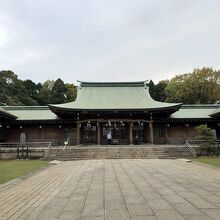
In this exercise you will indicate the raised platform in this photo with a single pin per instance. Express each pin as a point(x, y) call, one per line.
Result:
point(82, 152)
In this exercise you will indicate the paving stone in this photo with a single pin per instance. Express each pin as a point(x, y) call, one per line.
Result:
point(151, 195)
point(134, 199)
point(168, 215)
point(160, 204)
point(73, 206)
point(139, 209)
point(115, 189)
point(58, 202)
point(202, 204)
point(115, 204)
point(175, 199)
point(213, 213)
point(92, 218)
point(117, 215)
point(187, 209)
point(196, 217)
point(93, 210)
point(130, 192)
point(144, 218)
point(51, 213)
point(68, 215)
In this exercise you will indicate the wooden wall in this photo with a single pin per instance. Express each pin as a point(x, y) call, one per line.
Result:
point(177, 134)
point(52, 134)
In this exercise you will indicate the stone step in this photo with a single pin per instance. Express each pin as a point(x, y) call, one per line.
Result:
point(135, 152)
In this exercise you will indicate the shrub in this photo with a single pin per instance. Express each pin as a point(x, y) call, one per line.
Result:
point(205, 133)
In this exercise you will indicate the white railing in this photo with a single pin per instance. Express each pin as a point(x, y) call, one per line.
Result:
point(65, 144)
point(190, 148)
point(47, 151)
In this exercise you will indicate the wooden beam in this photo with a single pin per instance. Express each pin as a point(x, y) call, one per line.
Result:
point(113, 120)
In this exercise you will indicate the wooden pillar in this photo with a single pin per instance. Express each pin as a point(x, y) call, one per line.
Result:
point(130, 133)
point(98, 133)
point(151, 132)
point(166, 135)
point(78, 138)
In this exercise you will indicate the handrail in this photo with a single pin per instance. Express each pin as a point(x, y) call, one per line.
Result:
point(65, 144)
point(190, 148)
point(47, 151)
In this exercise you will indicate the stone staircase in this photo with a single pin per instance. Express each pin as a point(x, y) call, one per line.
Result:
point(119, 152)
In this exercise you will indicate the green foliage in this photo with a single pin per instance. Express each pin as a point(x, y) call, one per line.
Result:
point(202, 86)
point(205, 133)
point(14, 91)
point(46, 92)
point(71, 92)
point(58, 92)
point(157, 91)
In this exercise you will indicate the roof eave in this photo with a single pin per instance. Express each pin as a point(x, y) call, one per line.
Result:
point(7, 115)
point(56, 109)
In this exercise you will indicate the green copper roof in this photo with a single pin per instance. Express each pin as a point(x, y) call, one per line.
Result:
point(31, 112)
point(6, 114)
point(195, 111)
point(110, 96)
point(216, 113)
point(44, 113)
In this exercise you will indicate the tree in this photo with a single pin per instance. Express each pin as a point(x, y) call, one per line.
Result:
point(202, 86)
point(33, 90)
point(205, 134)
point(59, 91)
point(12, 90)
point(71, 92)
point(151, 86)
point(45, 92)
point(159, 90)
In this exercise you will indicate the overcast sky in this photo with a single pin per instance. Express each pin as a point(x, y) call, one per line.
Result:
point(108, 40)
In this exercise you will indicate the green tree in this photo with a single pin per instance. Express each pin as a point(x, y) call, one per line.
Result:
point(45, 92)
point(205, 134)
point(159, 90)
point(71, 92)
point(202, 86)
point(12, 90)
point(151, 86)
point(59, 91)
point(33, 90)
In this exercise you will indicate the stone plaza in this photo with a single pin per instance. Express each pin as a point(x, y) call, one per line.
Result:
point(136, 189)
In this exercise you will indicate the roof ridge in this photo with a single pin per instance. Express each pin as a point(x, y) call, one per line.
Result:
point(113, 84)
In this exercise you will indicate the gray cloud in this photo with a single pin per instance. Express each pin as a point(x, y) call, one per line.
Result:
point(104, 40)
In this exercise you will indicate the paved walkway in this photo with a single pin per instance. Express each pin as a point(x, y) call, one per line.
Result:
point(115, 190)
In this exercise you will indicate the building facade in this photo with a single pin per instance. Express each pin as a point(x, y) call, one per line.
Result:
point(124, 108)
